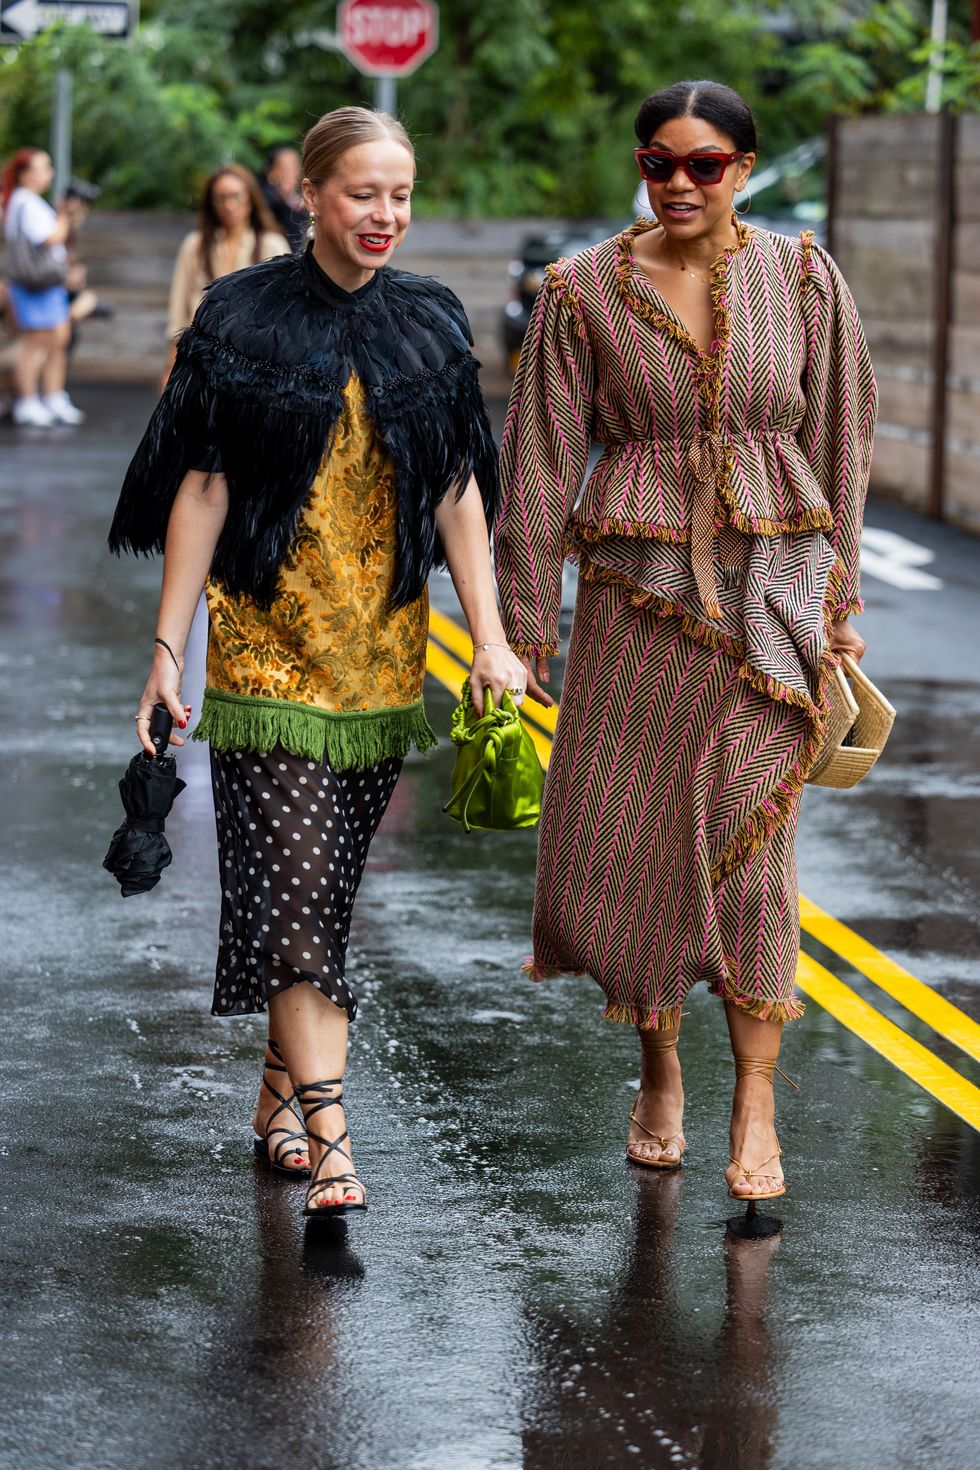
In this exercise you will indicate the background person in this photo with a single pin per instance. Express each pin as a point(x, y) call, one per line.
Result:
point(725, 372)
point(41, 317)
point(280, 185)
point(338, 404)
point(235, 230)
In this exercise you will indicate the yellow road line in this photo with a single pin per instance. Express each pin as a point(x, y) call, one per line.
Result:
point(915, 996)
point(451, 673)
point(902, 1050)
point(451, 634)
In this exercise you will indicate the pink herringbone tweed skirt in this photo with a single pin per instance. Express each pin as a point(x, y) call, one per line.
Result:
point(666, 852)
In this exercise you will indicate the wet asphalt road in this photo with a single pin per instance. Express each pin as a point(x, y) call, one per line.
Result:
point(516, 1296)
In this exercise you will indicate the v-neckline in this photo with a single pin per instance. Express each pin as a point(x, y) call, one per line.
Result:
point(716, 275)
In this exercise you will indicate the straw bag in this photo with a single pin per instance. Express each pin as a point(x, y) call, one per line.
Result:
point(858, 725)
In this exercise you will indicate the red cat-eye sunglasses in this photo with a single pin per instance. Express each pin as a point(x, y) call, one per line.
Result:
point(658, 166)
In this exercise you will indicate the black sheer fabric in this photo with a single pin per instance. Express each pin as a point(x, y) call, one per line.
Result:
point(293, 838)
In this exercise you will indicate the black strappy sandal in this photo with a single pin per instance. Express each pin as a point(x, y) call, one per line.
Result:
point(288, 1140)
point(312, 1104)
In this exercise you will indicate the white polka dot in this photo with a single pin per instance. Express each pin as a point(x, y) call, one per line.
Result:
point(267, 796)
point(306, 866)
point(307, 956)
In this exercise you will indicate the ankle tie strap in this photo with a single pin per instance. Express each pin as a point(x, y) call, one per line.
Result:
point(760, 1067)
point(661, 1044)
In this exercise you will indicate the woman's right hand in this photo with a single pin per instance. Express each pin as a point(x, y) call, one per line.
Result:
point(162, 687)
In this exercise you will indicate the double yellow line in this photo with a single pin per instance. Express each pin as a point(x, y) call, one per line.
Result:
point(448, 660)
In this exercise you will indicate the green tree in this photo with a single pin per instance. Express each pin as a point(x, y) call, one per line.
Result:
point(526, 108)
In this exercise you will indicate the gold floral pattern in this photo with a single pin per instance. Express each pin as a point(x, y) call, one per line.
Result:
point(329, 639)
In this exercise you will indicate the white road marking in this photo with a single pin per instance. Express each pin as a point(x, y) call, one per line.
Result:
point(894, 559)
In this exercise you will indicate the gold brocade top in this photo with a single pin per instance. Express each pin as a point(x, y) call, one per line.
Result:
point(328, 670)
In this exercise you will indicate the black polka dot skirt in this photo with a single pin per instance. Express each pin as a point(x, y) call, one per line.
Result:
point(293, 838)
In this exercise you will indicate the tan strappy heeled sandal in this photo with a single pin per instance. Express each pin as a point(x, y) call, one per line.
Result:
point(662, 1143)
point(757, 1067)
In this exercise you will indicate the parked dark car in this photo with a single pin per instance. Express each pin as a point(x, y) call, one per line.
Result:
point(527, 274)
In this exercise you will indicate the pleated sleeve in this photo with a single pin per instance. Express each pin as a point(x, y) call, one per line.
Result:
point(841, 406)
point(544, 456)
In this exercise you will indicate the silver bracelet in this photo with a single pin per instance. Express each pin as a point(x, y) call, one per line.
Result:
point(491, 645)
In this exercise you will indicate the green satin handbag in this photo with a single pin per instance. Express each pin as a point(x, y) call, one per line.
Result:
point(497, 779)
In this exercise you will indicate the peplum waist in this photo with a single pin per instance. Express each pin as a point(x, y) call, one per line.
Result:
point(651, 487)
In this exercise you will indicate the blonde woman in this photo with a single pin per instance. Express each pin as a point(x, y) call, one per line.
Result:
point(334, 406)
point(236, 229)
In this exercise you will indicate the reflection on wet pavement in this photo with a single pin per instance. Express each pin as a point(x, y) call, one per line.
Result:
point(517, 1295)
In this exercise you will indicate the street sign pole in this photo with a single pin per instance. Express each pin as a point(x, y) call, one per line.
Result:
point(386, 94)
point(61, 120)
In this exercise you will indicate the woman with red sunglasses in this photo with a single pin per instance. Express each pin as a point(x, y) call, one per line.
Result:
point(724, 373)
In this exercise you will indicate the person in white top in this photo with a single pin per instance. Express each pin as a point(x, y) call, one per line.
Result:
point(41, 316)
point(236, 229)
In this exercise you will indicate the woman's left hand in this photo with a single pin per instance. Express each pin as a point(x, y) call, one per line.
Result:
point(845, 639)
point(496, 668)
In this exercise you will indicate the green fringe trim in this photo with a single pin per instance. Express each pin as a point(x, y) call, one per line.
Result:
point(665, 1019)
point(348, 739)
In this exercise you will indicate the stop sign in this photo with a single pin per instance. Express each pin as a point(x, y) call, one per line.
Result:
point(388, 37)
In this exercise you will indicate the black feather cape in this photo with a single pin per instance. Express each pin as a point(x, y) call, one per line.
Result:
point(258, 378)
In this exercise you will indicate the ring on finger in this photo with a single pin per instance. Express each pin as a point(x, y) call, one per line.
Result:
point(141, 719)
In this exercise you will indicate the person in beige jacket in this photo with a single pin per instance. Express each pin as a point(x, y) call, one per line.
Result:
point(236, 229)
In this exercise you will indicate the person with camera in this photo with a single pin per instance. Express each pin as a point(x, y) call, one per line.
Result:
point(39, 276)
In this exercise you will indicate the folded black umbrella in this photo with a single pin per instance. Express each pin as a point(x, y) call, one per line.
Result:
point(139, 851)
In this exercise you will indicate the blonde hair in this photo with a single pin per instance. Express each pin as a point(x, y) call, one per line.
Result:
point(345, 128)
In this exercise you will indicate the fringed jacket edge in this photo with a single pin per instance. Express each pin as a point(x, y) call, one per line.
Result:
point(258, 378)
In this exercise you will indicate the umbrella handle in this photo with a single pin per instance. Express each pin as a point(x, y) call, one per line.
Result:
point(161, 724)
